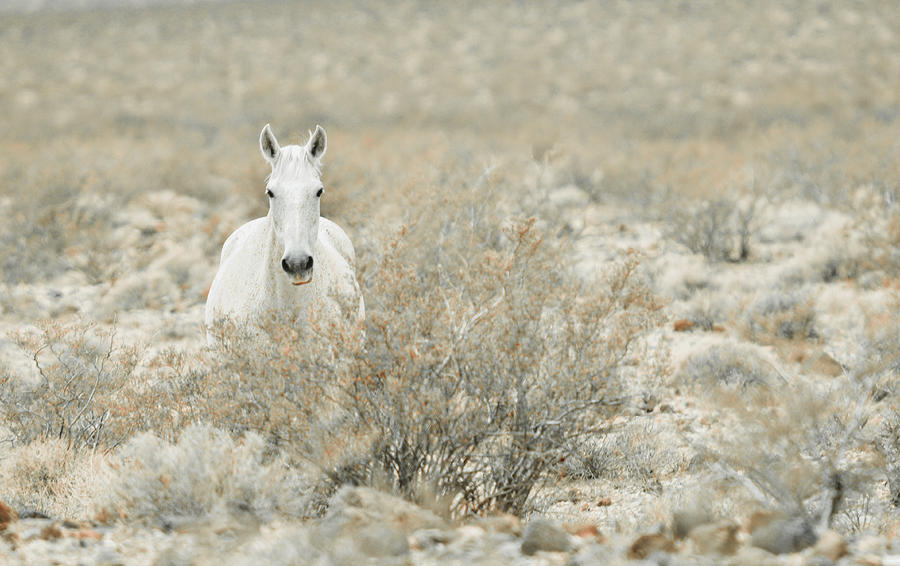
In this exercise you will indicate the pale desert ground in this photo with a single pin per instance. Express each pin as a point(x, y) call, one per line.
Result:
point(736, 168)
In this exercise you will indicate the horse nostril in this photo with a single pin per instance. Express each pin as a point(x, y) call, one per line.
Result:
point(285, 266)
point(309, 263)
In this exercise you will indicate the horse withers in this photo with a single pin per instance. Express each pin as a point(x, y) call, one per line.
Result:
point(291, 262)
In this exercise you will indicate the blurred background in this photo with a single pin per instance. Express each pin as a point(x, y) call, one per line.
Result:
point(107, 104)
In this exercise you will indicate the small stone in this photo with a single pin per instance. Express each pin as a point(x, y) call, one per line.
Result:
point(831, 545)
point(871, 544)
point(753, 556)
point(507, 524)
point(592, 555)
point(682, 325)
point(51, 532)
point(760, 519)
point(425, 539)
point(7, 516)
point(375, 541)
point(685, 520)
point(85, 534)
point(715, 538)
point(647, 545)
point(783, 536)
point(585, 531)
point(542, 534)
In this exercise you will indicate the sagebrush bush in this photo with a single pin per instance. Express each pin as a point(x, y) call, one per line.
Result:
point(481, 363)
point(42, 476)
point(729, 364)
point(799, 447)
point(479, 375)
point(153, 481)
point(720, 229)
point(82, 374)
point(782, 314)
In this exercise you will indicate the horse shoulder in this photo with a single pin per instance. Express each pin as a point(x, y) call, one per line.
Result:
point(342, 264)
point(237, 239)
point(337, 239)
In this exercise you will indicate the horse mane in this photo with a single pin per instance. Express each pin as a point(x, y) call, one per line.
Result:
point(291, 161)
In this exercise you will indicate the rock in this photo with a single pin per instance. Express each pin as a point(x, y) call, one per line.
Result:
point(871, 544)
point(762, 518)
point(685, 520)
point(380, 541)
point(542, 534)
point(647, 545)
point(360, 506)
point(591, 555)
point(715, 538)
point(831, 545)
point(753, 556)
point(51, 532)
point(362, 522)
point(425, 539)
point(585, 531)
point(782, 536)
point(7, 515)
point(508, 524)
point(682, 325)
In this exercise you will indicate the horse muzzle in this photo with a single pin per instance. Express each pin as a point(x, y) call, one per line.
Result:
point(299, 268)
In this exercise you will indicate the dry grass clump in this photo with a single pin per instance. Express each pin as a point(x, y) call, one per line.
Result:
point(206, 471)
point(47, 477)
point(728, 364)
point(81, 374)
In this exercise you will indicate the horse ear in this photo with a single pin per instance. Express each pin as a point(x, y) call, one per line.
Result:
point(268, 145)
point(316, 144)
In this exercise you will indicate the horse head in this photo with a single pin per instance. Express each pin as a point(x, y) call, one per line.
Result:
point(294, 188)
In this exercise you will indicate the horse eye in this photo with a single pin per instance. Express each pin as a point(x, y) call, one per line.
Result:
point(319, 192)
point(270, 194)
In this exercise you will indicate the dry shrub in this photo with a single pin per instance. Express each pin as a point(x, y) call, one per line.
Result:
point(482, 363)
point(47, 476)
point(800, 447)
point(720, 229)
point(205, 471)
point(60, 226)
point(82, 372)
point(728, 364)
point(781, 314)
point(878, 224)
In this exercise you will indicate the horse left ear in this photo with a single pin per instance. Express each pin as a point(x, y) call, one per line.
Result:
point(316, 144)
point(268, 145)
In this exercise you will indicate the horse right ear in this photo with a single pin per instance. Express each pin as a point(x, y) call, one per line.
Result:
point(268, 145)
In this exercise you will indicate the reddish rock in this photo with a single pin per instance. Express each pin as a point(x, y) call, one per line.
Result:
point(683, 325)
point(7, 515)
point(51, 532)
point(715, 538)
point(646, 545)
point(585, 531)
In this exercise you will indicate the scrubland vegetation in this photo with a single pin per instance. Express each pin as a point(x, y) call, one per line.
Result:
point(631, 268)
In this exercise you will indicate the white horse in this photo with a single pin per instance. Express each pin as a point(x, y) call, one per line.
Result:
point(291, 261)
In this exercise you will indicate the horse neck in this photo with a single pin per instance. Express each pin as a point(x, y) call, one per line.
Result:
point(272, 254)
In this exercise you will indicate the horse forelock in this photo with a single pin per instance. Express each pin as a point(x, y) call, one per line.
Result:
point(293, 161)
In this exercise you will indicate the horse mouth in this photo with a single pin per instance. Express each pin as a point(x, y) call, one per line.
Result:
point(298, 283)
